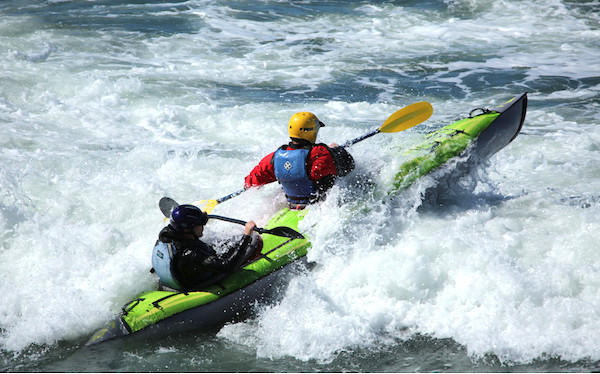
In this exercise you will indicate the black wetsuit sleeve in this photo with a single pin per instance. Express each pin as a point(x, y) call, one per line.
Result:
point(344, 162)
point(231, 259)
point(324, 184)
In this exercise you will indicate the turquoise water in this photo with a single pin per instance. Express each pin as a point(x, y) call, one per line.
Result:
point(106, 106)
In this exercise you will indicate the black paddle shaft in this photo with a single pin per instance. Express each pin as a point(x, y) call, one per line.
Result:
point(284, 231)
point(166, 205)
point(361, 138)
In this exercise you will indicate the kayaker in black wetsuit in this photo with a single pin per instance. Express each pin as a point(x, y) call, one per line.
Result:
point(184, 262)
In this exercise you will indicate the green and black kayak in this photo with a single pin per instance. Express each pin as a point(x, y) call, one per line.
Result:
point(160, 312)
point(487, 133)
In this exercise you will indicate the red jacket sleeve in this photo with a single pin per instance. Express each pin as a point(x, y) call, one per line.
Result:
point(262, 173)
point(321, 163)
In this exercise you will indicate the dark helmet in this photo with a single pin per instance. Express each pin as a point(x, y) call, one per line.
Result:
point(185, 217)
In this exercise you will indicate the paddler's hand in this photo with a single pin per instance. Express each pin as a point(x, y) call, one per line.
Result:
point(333, 145)
point(250, 225)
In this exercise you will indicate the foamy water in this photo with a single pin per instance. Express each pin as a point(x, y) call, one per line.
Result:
point(106, 106)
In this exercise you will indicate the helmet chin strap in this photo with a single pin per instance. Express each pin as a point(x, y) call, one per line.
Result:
point(302, 141)
point(194, 232)
point(189, 234)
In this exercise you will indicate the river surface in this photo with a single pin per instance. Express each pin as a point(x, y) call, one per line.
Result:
point(108, 105)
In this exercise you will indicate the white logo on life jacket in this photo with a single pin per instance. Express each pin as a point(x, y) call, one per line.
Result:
point(287, 165)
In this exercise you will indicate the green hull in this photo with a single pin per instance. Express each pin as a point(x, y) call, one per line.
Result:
point(161, 311)
point(452, 140)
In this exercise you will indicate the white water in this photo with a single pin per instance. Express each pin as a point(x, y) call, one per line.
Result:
point(99, 122)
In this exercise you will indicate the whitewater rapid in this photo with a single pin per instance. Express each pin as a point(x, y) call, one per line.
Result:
point(105, 107)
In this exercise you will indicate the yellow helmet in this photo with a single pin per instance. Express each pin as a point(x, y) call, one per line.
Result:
point(304, 125)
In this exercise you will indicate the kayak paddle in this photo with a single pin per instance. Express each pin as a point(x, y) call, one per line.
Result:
point(166, 205)
point(284, 231)
point(401, 120)
point(209, 205)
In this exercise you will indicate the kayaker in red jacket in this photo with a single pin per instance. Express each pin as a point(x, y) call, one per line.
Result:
point(304, 169)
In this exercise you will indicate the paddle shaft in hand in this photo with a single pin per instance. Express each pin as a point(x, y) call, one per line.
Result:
point(166, 205)
point(284, 231)
point(401, 120)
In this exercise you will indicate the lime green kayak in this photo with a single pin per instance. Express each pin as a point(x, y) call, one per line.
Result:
point(159, 312)
point(164, 311)
point(487, 132)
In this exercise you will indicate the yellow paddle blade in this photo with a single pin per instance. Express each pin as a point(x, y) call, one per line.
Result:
point(206, 205)
point(407, 117)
